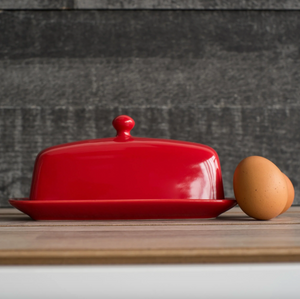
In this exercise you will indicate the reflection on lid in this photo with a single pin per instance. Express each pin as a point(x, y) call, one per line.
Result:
point(202, 183)
point(209, 169)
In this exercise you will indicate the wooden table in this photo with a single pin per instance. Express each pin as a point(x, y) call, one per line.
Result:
point(231, 238)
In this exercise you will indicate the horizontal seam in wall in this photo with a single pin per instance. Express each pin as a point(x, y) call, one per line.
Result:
point(148, 9)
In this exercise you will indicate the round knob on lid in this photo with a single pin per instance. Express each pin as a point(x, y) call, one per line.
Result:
point(123, 125)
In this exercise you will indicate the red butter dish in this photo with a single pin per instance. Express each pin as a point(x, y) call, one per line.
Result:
point(126, 177)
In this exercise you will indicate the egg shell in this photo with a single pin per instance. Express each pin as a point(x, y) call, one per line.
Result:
point(291, 194)
point(260, 188)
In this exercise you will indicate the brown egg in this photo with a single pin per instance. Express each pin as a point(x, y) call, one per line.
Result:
point(260, 188)
point(291, 194)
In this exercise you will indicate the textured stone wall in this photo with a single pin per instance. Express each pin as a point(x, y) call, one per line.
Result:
point(223, 75)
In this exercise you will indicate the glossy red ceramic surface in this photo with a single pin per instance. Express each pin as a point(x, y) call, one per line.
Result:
point(125, 168)
point(123, 209)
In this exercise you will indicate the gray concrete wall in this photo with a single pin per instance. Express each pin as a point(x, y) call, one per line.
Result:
point(226, 75)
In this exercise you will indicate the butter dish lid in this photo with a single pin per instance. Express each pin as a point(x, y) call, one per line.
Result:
point(126, 167)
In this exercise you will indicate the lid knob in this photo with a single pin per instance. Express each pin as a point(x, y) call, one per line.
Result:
point(123, 125)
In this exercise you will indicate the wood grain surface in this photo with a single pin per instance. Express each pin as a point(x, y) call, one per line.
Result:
point(230, 238)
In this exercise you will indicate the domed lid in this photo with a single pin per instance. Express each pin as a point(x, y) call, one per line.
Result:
point(126, 167)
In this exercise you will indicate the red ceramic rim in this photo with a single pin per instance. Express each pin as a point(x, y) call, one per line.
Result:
point(121, 209)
